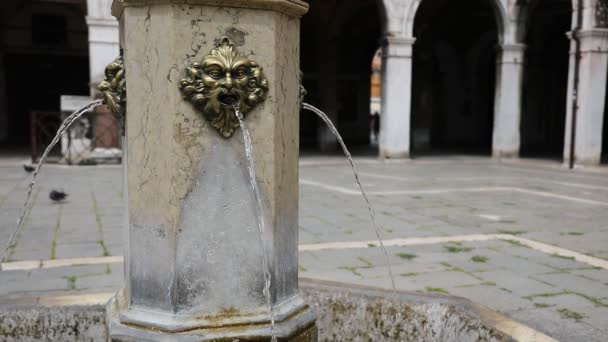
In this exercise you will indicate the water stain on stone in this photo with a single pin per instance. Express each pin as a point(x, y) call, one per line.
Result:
point(236, 36)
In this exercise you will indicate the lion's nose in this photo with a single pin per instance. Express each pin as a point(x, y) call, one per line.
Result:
point(228, 83)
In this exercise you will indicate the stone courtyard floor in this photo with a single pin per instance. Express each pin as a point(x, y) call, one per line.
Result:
point(526, 238)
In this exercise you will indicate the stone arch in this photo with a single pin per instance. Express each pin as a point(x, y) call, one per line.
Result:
point(453, 76)
point(542, 26)
point(339, 40)
point(520, 14)
point(501, 13)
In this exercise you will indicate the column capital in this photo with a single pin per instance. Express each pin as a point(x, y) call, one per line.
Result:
point(295, 8)
point(398, 47)
point(592, 40)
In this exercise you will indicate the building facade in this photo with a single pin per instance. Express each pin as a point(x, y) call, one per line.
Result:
point(513, 78)
point(504, 78)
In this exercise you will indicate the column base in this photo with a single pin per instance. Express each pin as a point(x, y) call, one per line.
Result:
point(499, 154)
point(385, 154)
point(299, 327)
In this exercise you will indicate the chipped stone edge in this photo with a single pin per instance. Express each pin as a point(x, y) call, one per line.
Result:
point(490, 318)
point(294, 8)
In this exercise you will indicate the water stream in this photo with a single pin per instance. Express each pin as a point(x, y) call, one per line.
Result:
point(65, 125)
point(261, 223)
point(372, 214)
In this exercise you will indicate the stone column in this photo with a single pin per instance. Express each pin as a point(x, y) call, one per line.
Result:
point(507, 102)
point(103, 39)
point(593, 69)
point(396, 97)
point(194, 268)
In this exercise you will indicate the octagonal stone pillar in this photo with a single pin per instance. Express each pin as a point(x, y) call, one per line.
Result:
point(193, 262)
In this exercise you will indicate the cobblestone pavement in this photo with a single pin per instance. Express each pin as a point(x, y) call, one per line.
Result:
point(528, 239)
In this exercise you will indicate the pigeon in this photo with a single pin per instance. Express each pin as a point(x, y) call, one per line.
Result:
point(28, 168)
point(57, 196)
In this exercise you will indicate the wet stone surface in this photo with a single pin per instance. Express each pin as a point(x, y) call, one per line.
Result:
point(426, 198)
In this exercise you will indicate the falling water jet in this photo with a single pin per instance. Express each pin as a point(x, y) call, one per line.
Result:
point(65, 125)
point(258, 200)
point(372, 214)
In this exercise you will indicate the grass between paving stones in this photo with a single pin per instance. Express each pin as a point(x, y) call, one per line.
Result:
point(102, 244)
point(436, 289)
point(515, 243)
point(451, 268)
point(566, 313)
point(72, 279)
point(406, 256)
point(542, 305)
point(56, 234)
point(349, 232)
point(555, 255)
point(302, 268)
point(594, 300)
point(355, 269)
point(324, 221)
point(512, 232)
point(371, 245)
point(410, 274)
point(572, 233)
point(457, 249)
point(485, 283)
point(479, 258)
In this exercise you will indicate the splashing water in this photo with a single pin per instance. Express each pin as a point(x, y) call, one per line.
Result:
point(65, 125)
point(261, 224)
point(372, 214)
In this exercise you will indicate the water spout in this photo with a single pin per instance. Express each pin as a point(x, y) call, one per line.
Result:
point(261, 224)
point(372, 214)
point(65, 125)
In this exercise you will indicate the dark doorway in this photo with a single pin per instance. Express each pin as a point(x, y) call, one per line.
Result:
point(44, 54)
point(545, 85)
point(36, 83)
point(454, 70)
point(338, 41)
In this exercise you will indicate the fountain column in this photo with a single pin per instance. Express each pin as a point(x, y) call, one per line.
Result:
point(193, 259)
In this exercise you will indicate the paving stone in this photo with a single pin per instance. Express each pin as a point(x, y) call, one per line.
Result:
point(575, 283)
point(551, 322)
point(332, 216)
point(74, 250)
point(518, 284)
point(493, 296)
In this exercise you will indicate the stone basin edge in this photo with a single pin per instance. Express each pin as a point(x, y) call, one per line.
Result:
point(84, 315)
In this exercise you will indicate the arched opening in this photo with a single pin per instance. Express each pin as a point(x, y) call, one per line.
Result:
point(454, 70)
point(43, 55)
point(545, 84)
point(338, 41)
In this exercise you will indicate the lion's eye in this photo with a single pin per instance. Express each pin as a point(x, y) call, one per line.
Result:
point(240, 73)
point(214, 74)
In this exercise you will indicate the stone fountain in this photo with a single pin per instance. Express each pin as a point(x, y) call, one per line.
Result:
point(194, 268)
point(211, 238)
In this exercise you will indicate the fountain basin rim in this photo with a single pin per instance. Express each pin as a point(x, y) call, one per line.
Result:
point(67, 313)
point(294, 8)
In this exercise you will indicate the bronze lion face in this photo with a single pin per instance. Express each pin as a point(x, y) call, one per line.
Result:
point(222, 80)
